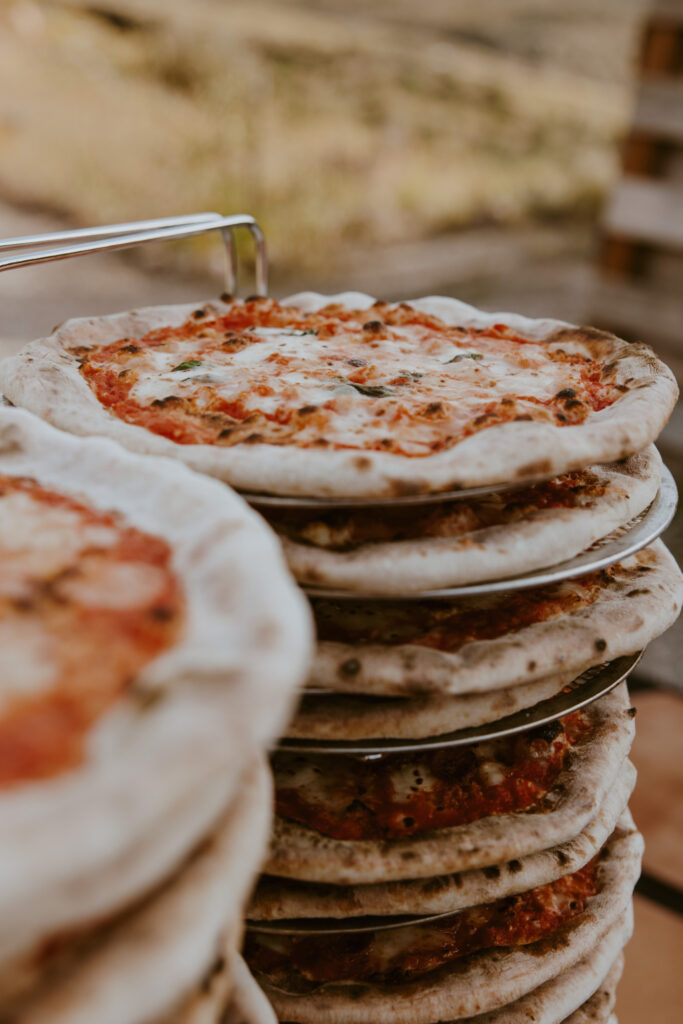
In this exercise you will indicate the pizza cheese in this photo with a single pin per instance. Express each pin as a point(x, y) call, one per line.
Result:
point(387, 379)
point(398, 955)
point(397, 795)
point(85, 602)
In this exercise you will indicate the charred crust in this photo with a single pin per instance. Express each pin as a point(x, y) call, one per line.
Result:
point(433, 408)
point(362, 462)
point(199, 313)
point(253, 438)
point(226, 297)
point(531, 665)
point(566, 393)
point(492, 872)
point(129, 348)
point(525, 418)
point(632, 712)
point(373, 326)
point(164, 403)
point(350, 667)
point(514, 866)
point(600, 644)
point(305, 410)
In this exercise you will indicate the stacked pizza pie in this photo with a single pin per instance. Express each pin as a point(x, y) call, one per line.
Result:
point(471, 503)
point(151, 642)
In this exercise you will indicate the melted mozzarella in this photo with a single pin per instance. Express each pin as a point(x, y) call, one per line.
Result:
point(114, 585)
point(40, 540)
point(27, 660)
point(299, 369)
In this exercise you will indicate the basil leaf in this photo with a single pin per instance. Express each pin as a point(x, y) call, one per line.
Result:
point(189, 364)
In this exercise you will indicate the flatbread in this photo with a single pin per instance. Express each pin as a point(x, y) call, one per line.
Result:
point(483, 981)
point(490, 643)
point(160, 766)
point(147, 967)
point(455, 543)
point(491, 417)
point(340, 716)
point(282, 899)
point(573, 801)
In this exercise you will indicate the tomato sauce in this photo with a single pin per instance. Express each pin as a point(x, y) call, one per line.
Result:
point(95, 646)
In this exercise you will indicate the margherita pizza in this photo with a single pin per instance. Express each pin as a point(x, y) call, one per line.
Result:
point(151, 642)
point(396, 817)
point(347, 397)
point(413, 548)
point(483, 644)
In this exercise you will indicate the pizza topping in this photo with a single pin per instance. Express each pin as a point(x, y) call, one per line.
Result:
point(403, 381)
point(399, 955)
point(397, 795)
point(74, 582)
point(344, 529)
point(449, 625)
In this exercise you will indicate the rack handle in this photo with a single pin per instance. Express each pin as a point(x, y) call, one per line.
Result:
point(111, 237)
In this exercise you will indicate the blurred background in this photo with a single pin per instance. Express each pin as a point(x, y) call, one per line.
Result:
point(519, 154)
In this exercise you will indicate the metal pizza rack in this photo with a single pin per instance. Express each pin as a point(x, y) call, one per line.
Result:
point(29, 250)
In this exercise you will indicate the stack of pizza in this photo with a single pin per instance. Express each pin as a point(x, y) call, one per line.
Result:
point(151, 643)
point(468, 501)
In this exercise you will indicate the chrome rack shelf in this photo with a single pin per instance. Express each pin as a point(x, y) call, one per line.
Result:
point(29, 250)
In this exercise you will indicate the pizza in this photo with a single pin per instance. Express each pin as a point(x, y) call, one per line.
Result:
point(345, 821)
point(142, 666)
point(478, 960)
point(415, 548)
point(343, 396)
point(482, 644)
point(392, 796)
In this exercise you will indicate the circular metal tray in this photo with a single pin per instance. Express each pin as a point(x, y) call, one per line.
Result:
point(616, 546)
point(582, 691)
point(332, 926)
point(295, 501)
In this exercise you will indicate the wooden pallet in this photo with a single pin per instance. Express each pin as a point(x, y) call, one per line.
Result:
point(640, 286)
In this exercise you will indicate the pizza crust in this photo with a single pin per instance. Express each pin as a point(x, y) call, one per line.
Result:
point(282, 899)
point(85, 844)
point(148, 966)
point(631, 609)
point(248, 1003)
point(549, 1003)
point(302, 853)
point(44, 377)
point(491, 979)
point(343, 717)
point(539, 539)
